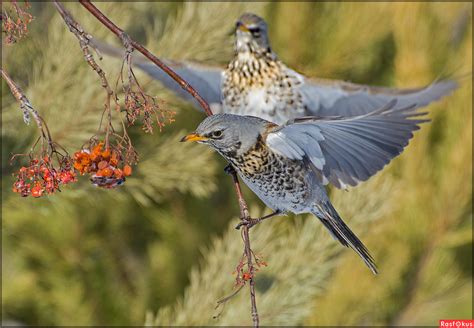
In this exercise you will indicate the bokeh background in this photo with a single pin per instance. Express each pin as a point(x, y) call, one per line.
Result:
point(162, 248)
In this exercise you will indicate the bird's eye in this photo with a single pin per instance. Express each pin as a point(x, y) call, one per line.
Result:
point(255, 32)
point(216, 134)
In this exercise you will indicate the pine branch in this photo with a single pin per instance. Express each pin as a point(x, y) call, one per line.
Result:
point(301, 256)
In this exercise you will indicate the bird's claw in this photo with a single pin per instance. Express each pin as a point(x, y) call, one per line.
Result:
point(249, 223)
point(229, 169)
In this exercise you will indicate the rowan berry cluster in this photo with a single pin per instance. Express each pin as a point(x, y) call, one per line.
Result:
point(138, 104)
point(15, 26)
point(141, 105)
point(40, 177)
point(106, 165)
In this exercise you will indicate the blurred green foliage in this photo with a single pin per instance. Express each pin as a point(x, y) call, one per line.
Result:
point(164, 241)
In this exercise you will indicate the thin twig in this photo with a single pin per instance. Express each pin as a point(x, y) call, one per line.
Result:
point(84, 42)
point(25, 104)
point(50, 147)
point(27, 109)
point(120, 33)
point(244, 213)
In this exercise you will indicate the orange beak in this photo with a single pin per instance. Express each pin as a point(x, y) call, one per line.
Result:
point(193, 137)
point(242, 27)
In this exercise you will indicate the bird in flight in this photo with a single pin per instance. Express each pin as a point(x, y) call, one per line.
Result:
point(287, 166)
point(257, 83)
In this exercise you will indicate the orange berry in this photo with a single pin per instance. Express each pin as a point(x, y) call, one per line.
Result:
point(96, 151)
point(98, 148)
point(127, 170)
point(102, 165)
point(106, 172)
point(106, 154)
point(114, 159)
point(80, 154)
point(85, 160)
point(77, 166)
point(118, 173)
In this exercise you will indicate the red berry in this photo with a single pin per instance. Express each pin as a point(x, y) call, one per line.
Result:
point(37, 191)
point(246, 276)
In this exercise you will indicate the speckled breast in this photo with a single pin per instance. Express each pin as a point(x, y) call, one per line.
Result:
point(263, 88)
point(280, 183)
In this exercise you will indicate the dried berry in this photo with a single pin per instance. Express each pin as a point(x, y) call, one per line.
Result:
point(41, 177)
point(108, 167)
point(15, 29)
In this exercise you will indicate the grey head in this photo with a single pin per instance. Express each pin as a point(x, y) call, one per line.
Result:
point(229, 134)
point(251, 34)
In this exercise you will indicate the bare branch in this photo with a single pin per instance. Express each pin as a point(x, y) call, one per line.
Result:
point(120, 33)
point(84, 41)
point(25, 105)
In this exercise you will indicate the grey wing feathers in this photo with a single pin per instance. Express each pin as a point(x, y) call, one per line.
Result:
point(329, 98)
point(347, 151)
point(205, 79)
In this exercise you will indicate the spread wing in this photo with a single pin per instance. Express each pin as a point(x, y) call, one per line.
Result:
point(205, 79)
point(347, 151)
point(338, 98)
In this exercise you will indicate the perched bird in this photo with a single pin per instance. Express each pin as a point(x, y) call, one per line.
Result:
point(257, 83)
point(287, 166)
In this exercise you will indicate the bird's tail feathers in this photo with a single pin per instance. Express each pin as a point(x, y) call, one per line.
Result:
point(341, 232)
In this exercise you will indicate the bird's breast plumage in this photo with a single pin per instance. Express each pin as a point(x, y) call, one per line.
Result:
point(262, 86)
point(282, 184)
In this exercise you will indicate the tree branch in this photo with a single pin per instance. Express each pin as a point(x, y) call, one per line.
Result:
point(84, 41)
point(121, 34)
point(25, 104)
point(244, 213)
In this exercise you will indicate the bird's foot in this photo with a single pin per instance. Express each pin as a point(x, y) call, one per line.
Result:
point(249, 223)
point(229, 169)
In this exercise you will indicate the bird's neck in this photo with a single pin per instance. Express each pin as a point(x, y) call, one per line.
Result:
point(250, 161)
point(248, 54)
point(250, 65)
